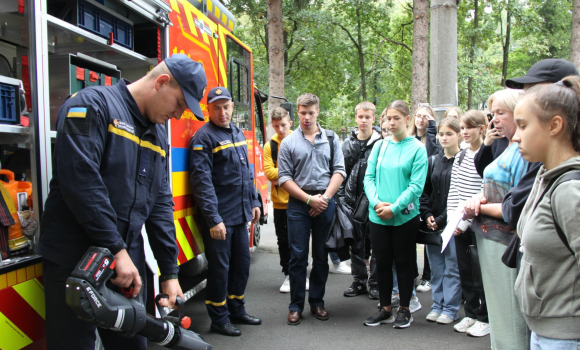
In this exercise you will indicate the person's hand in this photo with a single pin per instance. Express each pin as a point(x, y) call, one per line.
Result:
point(491, 135)
point(385, 212)
point(428, 117)
point(318, 203)
point(381, 205)
point(173, 289)
point(473, 206)
point(458, 231)
point(431, 223)
point(275, 182)
point(218, 232)
point(255, 214)
point(126, 271)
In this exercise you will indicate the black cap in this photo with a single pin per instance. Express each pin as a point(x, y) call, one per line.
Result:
point(548, 70)
point(218, 93)
point(191, 78)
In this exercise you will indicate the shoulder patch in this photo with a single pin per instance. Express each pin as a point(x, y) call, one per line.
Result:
point(197, 147)
point(77, 121)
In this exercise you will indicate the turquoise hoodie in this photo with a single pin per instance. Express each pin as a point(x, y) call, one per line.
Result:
point(402, 171)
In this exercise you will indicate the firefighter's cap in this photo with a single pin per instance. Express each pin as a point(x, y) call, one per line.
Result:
point(191, 78)
point(218, 93)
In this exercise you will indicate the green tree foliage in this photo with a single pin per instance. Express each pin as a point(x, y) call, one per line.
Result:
point(332, 44)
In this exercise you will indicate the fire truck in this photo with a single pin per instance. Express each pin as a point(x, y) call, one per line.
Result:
point(50, 49)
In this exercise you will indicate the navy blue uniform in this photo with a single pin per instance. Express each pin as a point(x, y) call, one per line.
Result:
point(222, 181)
point(109, 179)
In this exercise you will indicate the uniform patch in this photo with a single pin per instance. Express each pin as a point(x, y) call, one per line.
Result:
point(225, 142)
point(78, 120)
point(119, 124)
point(198, 147)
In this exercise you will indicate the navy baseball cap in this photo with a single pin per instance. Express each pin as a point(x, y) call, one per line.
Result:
point(218, 93)
point(548, 70)
point(191, 78)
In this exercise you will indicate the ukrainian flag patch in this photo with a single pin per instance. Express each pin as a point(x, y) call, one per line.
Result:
point(77, 112)
point(78, 120)
point(198, 147)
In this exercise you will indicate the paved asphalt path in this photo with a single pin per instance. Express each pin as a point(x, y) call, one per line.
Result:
point(344, 329)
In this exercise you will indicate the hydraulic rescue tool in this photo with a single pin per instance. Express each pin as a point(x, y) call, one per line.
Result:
point(92, 297)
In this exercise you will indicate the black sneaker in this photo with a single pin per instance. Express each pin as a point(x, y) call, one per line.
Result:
point(374, 292)
point(404, 318)
point(356, 288)
point(381, 317)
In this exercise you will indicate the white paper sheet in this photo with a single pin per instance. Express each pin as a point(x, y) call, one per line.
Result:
point(454, 218)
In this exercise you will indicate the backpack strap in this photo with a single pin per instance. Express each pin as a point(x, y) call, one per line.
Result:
point(555, 183)
point(274, 148)
point(330, 137)
point(461, 156)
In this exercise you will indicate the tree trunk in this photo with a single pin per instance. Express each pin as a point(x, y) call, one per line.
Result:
point(420, 54)
point(361, 57)
point(575, 41)
point(275, 58)
point(506, 46)
point(471, 57)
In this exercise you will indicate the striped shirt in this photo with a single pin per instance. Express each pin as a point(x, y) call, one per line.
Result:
point(465, 182)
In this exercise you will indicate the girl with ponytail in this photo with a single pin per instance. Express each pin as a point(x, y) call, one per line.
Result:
point(548, 283)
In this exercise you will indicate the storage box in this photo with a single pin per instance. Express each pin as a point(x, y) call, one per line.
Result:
point(9, 101)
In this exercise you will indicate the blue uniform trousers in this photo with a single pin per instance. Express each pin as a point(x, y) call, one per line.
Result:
point(228, 271)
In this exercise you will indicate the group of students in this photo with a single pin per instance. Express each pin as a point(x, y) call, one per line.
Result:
point(514, 179)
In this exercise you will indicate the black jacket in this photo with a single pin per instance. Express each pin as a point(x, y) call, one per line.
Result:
point(434, 199)
point(355, 160)
point(515, 199)
point(431, 145)
point(487, 154)
point(109, 177)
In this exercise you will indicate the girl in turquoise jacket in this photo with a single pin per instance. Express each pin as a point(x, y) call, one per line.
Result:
point(394, 181)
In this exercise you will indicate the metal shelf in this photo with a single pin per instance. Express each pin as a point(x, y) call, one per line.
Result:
point(11, 134)
point(64, 38)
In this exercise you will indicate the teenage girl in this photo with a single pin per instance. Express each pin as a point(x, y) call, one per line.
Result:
point(465, 183)
point(445, 283)
point(548, 283)
point(394, 181)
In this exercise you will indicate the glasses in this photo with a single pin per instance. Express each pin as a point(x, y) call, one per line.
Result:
point(419, 116)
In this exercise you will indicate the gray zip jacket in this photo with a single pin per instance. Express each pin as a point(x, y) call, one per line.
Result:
point(548, 283)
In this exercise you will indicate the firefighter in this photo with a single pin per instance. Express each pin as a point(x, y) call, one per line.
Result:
point(109, 179)
point(223, 189)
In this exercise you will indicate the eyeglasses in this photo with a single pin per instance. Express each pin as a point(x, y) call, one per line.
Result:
point(419, 116)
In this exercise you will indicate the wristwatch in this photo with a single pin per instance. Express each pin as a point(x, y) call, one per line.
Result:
point(326, 198)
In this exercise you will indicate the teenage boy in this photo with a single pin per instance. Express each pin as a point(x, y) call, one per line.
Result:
point(283, 126)
point(311, 179)
point(356, 150)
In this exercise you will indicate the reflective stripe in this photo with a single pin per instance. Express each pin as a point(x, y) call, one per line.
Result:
point(128, 135)
point(235, 297)
point(12, 337)
point(33, 293)
point(215, 304)
point(237, 144)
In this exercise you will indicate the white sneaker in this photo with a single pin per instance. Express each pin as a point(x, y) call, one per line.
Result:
point(342, 268)
point(424, 286)
point(432, 316)
point(414, 305)
point(479, 329)
point(444, 319)
point(286, 285)
point(307, 284)
point(462, 326)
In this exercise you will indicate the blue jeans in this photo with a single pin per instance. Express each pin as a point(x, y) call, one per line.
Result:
point(542, 343)
point(396, 283)
point(334, 257)
point(300, 223)
point(445, 281)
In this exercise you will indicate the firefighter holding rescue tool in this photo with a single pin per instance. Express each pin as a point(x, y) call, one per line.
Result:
point(223, 189)
point(109, 179)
